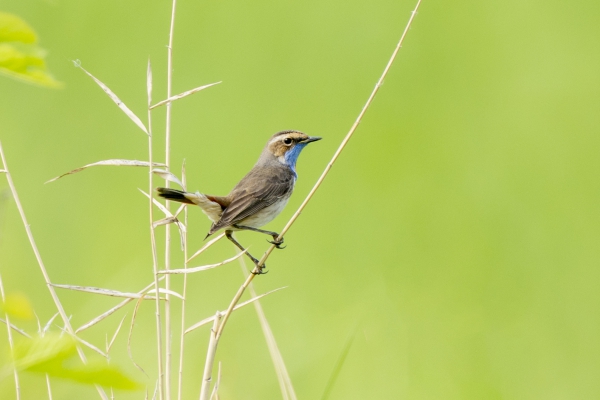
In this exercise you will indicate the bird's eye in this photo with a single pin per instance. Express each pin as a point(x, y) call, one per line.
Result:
point(287, 141)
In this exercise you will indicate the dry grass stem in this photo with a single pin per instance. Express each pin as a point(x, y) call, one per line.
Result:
point(37, 320)
point(112, 310)
point(38, 257)
point(169, 219)
point(221, 313)
point(182, 95)
point(168, 342)
point(206, 246)
point(135, 310)
point(160, 206)
point(339, 364)
point(167, 291)
point(15, 328)
point(159, 345)
point(201, 268)
point(348, 135)
point(167, 176)
point(87, 344)
point(104, 292)
point(155, 391)
point(210, 358)
point(240, 292)
point(283, 377)
point(48, 324)
point(215, 392)
point(164, 221)
point(11, 343)
point(172, 220)
point(115, 162)
point(114, 98)
point(112, 341)
point(32, 242)
point(184, 292)
point(180, 209)
point(49, 388)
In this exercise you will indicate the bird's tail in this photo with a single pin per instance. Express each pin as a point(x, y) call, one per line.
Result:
point(175, 195)
point(210, 205)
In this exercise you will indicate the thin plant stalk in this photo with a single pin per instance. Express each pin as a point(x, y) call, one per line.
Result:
point(153, 241)
point(285, 383)
point(184, 294)
point(341, 147)
point(215, 392)
point(168, 341)
point(49, 387)
point(210, 358)
point(339, 364)
point(114, 309)
point(10, 342)
point(38, 257)
point(15, 328)
point(325, 172)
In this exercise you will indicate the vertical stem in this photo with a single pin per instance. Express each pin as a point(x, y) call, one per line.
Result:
point(38, 257)
point(168, 337)
point(10, 342)
point(49, 387)
point(210, 358)
point(352, 129)
point(341, 147)
point(184, 293)
point(236, 299)
point(153, 242)
point(285, 383)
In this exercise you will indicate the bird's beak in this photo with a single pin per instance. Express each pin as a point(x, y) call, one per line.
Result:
point(312, 139)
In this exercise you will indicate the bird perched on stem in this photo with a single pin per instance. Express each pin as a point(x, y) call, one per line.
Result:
point(259, 197)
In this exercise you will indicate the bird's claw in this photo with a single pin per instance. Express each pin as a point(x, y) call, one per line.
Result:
point(277, 243)
point(261, 270)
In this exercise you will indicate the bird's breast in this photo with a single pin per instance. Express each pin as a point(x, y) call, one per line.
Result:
point(265, 215)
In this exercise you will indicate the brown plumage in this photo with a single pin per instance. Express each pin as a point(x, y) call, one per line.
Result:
point(260, 196)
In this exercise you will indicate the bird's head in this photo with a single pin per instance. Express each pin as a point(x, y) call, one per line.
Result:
point(286, 146)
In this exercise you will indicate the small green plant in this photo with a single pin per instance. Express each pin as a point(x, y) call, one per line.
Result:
point(20, 56)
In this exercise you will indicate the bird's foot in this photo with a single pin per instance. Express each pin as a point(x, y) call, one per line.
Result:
point(277, 243)
point(261, 270)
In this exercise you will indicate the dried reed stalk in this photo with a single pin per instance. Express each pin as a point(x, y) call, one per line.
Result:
point(184, 293)
point(11, 343)
point(38, 257)
point(168, 328)
point(153, 239)
point(221, 325)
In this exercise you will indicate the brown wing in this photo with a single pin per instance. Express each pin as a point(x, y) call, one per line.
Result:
point(261, 188)
point(222, 201)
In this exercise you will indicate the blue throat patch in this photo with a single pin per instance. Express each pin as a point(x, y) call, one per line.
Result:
point(292, 156)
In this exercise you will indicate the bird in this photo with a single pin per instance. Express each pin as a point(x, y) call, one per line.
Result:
point(259, 197)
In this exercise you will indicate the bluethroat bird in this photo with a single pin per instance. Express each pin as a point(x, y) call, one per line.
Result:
point(259, 197)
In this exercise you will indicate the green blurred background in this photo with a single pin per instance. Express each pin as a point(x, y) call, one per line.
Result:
point(458, 233)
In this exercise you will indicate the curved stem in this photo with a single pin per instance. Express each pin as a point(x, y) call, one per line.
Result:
point(323, 175)
point(168, 341)
point(153, 243)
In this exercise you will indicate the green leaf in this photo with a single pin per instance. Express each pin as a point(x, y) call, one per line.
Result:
point(17, 305)
point(54, 354)
point(14, 29)
point(31, 353)
point(20, 58)
point(100, 373)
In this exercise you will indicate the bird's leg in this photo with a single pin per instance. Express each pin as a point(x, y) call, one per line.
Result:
point(229, 235)
point(274, 235)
